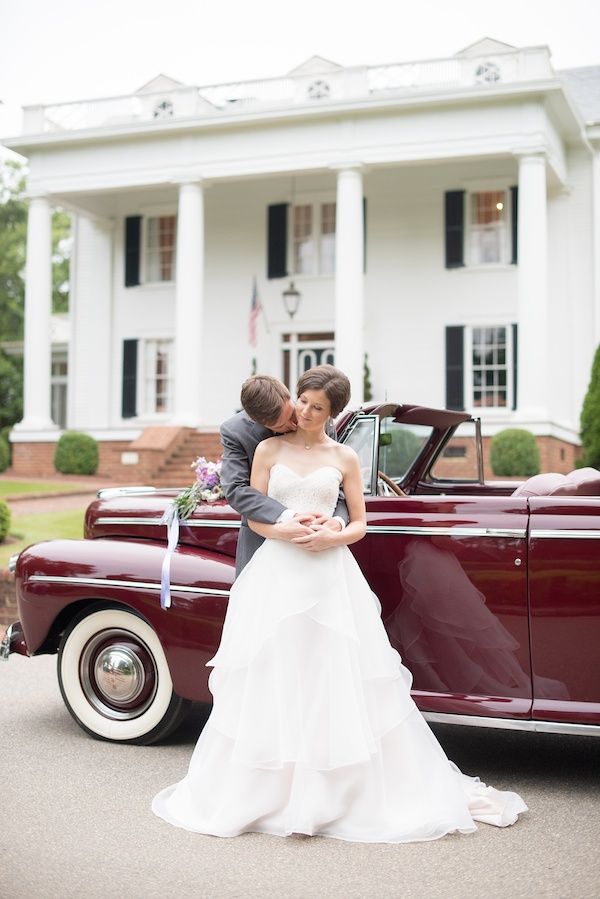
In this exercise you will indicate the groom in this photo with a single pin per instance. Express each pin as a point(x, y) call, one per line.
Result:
point(268, 410)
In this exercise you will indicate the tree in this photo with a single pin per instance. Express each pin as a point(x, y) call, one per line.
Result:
point(590, 418)
point(13, 239)
point(13, 234)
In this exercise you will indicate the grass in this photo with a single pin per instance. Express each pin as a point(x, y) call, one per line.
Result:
point(23, 488)
point(28, 529)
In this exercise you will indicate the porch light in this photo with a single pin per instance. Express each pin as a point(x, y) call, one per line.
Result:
point(291, 299)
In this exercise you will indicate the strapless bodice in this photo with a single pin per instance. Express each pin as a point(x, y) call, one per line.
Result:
point(314, 492)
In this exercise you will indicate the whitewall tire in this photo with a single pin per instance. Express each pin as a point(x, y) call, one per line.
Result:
point(114, 677)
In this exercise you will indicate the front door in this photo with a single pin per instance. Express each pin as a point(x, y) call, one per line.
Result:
point(303, 351)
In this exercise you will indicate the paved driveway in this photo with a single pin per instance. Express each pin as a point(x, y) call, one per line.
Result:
point(76, 820)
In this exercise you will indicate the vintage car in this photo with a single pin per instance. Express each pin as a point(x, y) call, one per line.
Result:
point(489, 591)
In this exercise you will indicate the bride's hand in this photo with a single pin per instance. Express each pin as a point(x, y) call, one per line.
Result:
point(294, 528)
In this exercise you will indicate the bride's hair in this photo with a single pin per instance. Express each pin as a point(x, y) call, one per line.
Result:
point(333, 382)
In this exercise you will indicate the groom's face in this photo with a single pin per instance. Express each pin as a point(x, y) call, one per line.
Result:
point(287, 419)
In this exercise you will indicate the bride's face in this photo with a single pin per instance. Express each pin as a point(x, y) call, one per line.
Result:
point(312, 410)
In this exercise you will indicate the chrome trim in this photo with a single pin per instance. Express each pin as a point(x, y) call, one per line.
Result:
point(154, 522)
point(5, 644)
point(555, 533)
point(446, 532)
point(112, 492)
point(111, 582)
point(546, 727)
point(12, 562)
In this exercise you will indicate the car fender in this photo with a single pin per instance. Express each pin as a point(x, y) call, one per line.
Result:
point(56, 579)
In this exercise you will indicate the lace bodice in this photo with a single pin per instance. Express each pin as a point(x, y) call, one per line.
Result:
point(314, 492)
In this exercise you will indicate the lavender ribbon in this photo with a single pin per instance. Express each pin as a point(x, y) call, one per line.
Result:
point(171, 519)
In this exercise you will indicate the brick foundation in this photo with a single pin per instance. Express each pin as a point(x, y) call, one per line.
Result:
point(158, 455)
point(8, 599)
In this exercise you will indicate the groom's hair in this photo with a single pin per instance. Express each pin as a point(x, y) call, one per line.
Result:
point(263, 397)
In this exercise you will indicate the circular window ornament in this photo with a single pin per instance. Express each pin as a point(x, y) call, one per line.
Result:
point(318, 90)
point(487, 73)
point(163, 110)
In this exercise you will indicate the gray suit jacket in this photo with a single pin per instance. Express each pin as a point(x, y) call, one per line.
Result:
point(240, 436)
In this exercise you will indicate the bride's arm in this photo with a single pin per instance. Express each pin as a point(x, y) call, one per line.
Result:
point(259, 479)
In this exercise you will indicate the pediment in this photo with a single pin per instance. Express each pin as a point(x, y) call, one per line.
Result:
point(159, 83)
point(316, 65)
point(487, 46)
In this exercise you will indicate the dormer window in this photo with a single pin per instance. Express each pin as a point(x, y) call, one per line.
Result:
point(163, 110)
point(487, 73)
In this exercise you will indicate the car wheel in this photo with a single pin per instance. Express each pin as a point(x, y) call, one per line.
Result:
point(115, 680)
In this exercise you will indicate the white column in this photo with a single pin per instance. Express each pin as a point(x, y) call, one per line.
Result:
point(349, 279)
point(189, 301)
point(532, 369)
point(596, 241)
point(38, 308)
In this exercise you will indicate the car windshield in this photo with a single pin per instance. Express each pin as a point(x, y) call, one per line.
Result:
point(399, 446)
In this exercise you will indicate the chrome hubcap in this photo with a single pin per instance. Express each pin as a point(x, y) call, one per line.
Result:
point(118, 674)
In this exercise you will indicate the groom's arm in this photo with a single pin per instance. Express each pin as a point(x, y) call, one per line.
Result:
point(341, 509)
point(235, 481)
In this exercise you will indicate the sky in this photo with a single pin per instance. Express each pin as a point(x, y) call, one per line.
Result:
point(59, 50)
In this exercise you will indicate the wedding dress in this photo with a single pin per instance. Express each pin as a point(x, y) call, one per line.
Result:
point(313, 728)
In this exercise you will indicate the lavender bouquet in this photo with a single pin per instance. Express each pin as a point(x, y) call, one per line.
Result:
point(206, 488)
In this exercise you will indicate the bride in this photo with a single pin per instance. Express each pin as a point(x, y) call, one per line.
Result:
point(313, 729)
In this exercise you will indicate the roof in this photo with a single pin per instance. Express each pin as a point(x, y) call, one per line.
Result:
point(583, 85)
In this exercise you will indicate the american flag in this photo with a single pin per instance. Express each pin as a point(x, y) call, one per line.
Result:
point(255, 310)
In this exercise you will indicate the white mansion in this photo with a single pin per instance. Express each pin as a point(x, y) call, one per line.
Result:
point(442, 216)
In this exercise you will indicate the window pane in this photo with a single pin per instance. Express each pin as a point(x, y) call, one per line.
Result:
point(157, 377)
point(488, 226)
point(160, 248)
point(304, 250)
point(489, 369)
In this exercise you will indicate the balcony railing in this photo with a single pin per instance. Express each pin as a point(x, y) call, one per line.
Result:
point(345, 84)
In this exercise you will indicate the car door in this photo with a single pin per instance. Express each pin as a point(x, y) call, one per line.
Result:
point(564, 585)
point(451, 575)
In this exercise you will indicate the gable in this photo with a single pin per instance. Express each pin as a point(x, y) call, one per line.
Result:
point(316, 65)
point(485, 47)
point(159, 83)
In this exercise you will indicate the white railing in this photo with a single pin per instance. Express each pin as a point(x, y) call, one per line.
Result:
point(369, 83)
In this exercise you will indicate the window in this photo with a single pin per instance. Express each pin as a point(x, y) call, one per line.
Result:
point(157, 377)
point(399, 446)
point(313, 239)
point(488, 233)
point(491, 364)
point(160, 248)
point(481, 366)
point(304, 351)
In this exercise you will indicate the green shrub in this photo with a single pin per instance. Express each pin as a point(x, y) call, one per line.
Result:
point(514, 453)
point(4, 520)
point(590, 419)
point(4, 454)
point(76, 453)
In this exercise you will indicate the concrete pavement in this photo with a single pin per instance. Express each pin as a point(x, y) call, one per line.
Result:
point(76, 820)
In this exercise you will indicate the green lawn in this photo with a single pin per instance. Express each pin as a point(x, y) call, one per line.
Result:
point(27, 529)
point(22, 488)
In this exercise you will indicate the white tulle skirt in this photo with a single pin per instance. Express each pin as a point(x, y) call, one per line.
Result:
point(313, 729)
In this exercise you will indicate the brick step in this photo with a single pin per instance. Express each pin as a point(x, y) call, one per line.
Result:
point(176, 468)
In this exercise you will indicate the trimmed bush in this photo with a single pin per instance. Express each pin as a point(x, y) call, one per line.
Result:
point(514, 453)
point(590, 419)
point(4, 454)
point(4, 520)
point(76, 453)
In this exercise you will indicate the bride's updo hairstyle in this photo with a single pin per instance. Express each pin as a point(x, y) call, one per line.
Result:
point(333, 382)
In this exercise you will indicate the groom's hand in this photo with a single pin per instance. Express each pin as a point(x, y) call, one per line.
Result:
point(333, 523)
point(320, 537)
point(295, 527)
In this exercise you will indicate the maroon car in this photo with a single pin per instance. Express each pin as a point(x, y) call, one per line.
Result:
point(492, 599)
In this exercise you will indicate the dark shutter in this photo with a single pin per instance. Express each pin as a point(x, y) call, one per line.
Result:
point(133, 227)
point(364, 234)
point(454, 212)
point(129, 406)
point(515, 347)
point(455, 367)
point(514, 216)
point(277, 240)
